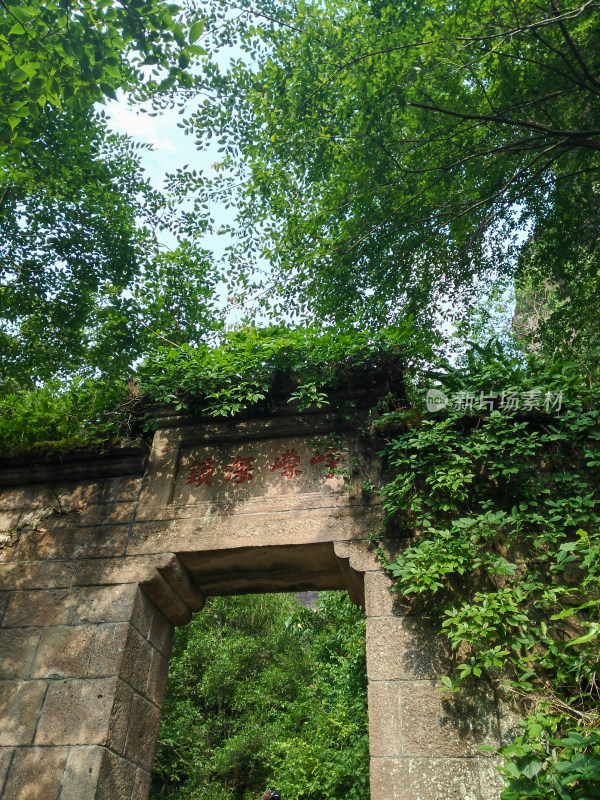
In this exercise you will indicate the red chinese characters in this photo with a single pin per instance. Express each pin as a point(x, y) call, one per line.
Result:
point(331, 458)
point(240, 470)
point(289, 463)
point(201, 473)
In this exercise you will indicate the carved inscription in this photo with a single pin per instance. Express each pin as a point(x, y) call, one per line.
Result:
point(217, 473)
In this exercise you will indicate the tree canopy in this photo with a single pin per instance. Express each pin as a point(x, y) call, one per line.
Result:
point(387, 158)
point(80, 244)
point(68, 54)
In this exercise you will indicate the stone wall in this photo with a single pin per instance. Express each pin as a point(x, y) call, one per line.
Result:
point(96, 572)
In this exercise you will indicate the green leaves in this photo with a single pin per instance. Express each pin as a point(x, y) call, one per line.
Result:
point(58, 417)
point(68, 56)
point(196, 29)
point(507, 520)
point(547, 767)
point(276, 365)
point(387, 159)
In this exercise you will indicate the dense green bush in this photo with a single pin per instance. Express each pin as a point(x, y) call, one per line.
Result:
point(55, 418)
point(247, 368)
point(299, 366)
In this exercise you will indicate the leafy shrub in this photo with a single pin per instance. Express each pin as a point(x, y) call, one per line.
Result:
point(254, 365)
point(56, 418)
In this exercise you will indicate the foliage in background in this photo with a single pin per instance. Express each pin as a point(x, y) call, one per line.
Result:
point(85, 285)
point(68, 226)
point(502, 508)
point(247, 368)
point(69, 54)
point(264, 692)
point(80, 226)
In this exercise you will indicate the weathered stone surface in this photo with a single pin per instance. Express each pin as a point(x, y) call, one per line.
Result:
point(143, 613)
point(7, 551)
point(105, 513)
point(361, 555)
point(180, 581)
point(510, 721)
point(63, 652)
point(129, 569)
point(34, 546)
point(490, 780)
point(77, 712)
point(210, 531)
point(74, 494)
point(126, 487)
point(8, 519)
point(36, 575)
point(167, 599)
point(403, 648)
point(17, 651)
point(135, 665)
point(174, 452)
point(82, 773)
point(36, 772)
point(26, 497)
point(108, 649)
point(157, 678)
point(384, 719)
point(256, 569)
point(20, 705)
point(40, 608)
point(161, 633)
point(105, 594)
point(94, 773)
point(141, 787)
point(444, 724)
point(379, 599)
point(77, 543)
point(106, 604)
point(143, 729)
point(4, 598)
point(120, 717)
point(6, 754)
point(116, 778)
point(426, 779)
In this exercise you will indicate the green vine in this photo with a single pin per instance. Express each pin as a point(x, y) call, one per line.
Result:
point(501, 513)
point(248, 370)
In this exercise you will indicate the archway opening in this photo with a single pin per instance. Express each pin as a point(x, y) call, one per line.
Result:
point(265, 690)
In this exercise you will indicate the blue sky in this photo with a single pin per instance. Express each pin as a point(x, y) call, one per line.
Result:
point(171, 149)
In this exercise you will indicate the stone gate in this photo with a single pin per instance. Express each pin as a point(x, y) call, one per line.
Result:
point(104, 555)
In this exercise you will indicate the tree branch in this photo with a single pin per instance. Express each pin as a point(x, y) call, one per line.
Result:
point(582, 138)
point(572, 48)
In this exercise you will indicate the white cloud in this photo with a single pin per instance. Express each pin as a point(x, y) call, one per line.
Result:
point(156, 131)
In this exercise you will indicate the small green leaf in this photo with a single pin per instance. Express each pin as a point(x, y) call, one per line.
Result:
point(196, 31)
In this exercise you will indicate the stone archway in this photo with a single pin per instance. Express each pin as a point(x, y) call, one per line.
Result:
point(102, 564)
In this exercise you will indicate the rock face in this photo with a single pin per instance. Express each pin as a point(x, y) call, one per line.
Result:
point(96, 571)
